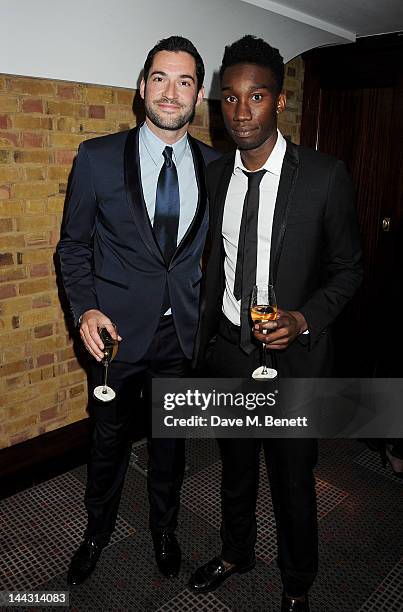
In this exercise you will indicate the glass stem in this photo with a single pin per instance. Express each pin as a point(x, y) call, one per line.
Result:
point(264, 371)
point(105, 390)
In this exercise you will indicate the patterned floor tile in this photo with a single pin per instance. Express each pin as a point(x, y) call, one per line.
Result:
point(39, 530)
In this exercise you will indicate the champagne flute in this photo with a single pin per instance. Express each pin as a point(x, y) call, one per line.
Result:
point(263, 308)
point(103, 393)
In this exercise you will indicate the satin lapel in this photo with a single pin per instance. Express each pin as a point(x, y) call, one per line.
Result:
point(219, 201)
point(286, 186)
point(134, 193)
point(200, 172)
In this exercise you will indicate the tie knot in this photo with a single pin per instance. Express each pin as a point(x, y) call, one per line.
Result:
point(167, 153)
point(254, 178)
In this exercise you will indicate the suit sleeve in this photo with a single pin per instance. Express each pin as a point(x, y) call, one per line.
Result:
point(341, 256)
point(74, 250)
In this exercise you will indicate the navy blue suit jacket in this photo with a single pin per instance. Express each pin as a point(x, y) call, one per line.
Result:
point(109, 257)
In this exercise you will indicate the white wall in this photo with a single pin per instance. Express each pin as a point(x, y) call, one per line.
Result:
point(105, 42)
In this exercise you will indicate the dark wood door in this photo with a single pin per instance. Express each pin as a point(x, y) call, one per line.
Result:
point(353, 109)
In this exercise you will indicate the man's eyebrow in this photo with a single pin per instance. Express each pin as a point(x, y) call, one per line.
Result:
point(181, 76)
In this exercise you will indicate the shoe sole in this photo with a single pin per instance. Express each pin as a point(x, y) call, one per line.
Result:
point(244, 570)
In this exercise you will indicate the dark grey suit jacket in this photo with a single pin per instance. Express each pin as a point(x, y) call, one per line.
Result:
point(315, 259)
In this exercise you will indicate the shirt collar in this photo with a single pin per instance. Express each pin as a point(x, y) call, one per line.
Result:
point(272, 164)
point(155, 146)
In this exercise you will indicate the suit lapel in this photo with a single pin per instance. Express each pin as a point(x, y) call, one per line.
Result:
point(200, 172)
point(134, 193)
point(219, 200)
point(288, 178)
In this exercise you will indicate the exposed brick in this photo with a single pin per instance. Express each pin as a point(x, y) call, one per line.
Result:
point(6, 259)
point(96, 111)
point(45, 359)
point(4, 192)
point(32, 86)
point(124, 96)
point(30, 139)
point(78, 390)
point(11, 208)
point(48, 414)
point(97, 126)
point(4, 157)
point(41, 301)
point(68, 124)
point(21, 424)
point(31, 105)
point(58, 172)
point(6, 225)
point(32, 190)
point(34, 286)
point(32, 207)
point(9, 139)
point(4, 122)
point(71, 141)
point(28, 122)
point(31, 157)
point(64, 157)
point(8, 104)
point(102, 95)
point(17, 366)
point(38, 270)
point(68, 92)
point(34, 173)
point(71, 109)
point(7, 291)
point(55, 204)
point(43, 331)
point(10, 174)
point(12, 274)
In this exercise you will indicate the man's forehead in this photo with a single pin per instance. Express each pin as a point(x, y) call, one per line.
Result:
point(247, 71)
point(173, 61)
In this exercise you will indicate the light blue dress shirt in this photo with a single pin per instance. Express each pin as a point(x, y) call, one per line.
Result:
point(151, 160)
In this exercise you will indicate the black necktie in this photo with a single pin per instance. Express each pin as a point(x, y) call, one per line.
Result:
point(245, 271)
point(166, 216)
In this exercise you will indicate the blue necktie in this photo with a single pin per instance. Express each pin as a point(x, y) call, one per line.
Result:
point(166, 216)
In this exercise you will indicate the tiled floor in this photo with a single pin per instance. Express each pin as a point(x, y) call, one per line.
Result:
point(360, 506)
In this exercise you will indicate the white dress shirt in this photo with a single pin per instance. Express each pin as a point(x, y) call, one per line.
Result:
point(232, 222)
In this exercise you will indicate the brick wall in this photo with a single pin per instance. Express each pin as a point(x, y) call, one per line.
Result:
point(42, 122)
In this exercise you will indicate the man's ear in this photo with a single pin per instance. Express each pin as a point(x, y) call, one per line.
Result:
point(281, 103)
point(200, 96)
point(142, 87)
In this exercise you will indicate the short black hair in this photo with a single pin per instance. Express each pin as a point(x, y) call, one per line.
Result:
point(252, 50)
point(176, 43)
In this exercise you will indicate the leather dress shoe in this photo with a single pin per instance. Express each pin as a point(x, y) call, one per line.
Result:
point(84, 561)
point(290, 604)
point(208, 577)
point(167, 553)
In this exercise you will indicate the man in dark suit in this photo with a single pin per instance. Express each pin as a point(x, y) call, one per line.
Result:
point(131, 242)
point(294, 208)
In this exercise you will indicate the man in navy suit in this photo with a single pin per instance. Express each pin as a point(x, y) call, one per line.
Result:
point(132, 237)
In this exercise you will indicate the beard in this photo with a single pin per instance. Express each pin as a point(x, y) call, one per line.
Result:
point(165, 122)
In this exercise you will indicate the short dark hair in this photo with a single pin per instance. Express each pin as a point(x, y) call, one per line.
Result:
point(252, 50)
point(176, 43)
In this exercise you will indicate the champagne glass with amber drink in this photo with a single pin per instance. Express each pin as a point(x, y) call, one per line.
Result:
point(263, 308)
point(103, 393)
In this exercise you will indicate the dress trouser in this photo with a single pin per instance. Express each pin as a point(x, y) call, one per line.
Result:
point(290, 464)
point(111, 441)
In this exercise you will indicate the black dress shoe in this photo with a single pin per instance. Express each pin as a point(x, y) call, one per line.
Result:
point(167, 553)
point(289, 604)
point(83, 561)
point(208, 577)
